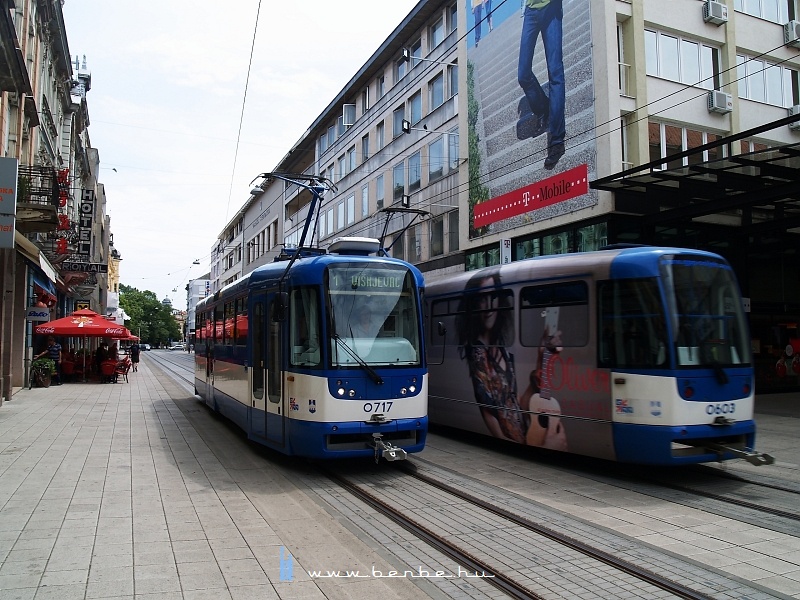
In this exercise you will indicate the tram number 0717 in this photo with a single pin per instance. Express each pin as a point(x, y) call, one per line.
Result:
point(726, 408)
point(378, 407)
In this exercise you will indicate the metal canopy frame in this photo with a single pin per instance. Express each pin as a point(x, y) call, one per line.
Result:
point(760, 189)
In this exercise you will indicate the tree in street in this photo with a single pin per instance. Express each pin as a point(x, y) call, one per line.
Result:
point(149, 318)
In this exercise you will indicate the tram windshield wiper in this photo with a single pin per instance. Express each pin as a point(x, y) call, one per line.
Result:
point(373, 375)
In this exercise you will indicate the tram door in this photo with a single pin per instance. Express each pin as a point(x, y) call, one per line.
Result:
point(258, 363)
point(275, 409)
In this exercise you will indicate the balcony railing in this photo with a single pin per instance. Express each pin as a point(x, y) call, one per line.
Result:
point(37, 199)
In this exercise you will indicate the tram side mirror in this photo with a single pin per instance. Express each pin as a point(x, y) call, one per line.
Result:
point(442, 331)
point(280, 304)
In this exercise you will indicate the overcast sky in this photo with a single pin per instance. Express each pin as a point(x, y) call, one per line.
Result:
point(168, 84)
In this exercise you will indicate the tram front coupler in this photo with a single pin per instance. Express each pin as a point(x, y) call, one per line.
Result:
point(754, 458)
point(386, 450)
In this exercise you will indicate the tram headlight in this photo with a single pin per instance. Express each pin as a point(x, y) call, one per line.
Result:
point(412, 389)
point(403, 391)
point(340, 391)
point(352, 393)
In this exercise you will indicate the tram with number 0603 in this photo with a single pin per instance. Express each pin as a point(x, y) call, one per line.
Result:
point(319, 354)
point(631, 354)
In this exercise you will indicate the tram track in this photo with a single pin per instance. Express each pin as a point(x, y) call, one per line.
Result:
point(405, 503)
point(165, 364)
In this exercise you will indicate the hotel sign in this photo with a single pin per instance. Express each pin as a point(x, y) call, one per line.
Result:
point(73, 267)
point(85, 220)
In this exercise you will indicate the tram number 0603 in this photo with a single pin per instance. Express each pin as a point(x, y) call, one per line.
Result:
point(378, 407)
point(726, 408)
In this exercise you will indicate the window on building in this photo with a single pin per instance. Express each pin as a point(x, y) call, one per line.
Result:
point(762, 81)
point(452, 230)
point(452, 18)
point(342, 167)
point(381, 86)
point(452, 79)
point(351, 209)
point(436, 159)
point(397, 120)
point(398, 247)
point(436, 33)
point(666, 140)
point(323, 143)
point(340, 215)
point(436, 92)
point(415, 243)
point(777, 11)
point(380, 135)
point(437, 236)
point(364, 201)
point(452, 148)
point(365, 148)
point(400, 68)
point(364, 100)
point(379, 192)
point(330, 221)
point(678, 59)
point(351, 159)
point(415, 107)
point(414, 172)
point(416, 53)
point(398, 181)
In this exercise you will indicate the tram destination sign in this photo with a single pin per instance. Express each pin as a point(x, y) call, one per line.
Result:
point(79, 267)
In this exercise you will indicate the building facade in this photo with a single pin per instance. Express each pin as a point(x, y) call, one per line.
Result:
point(665, 123)
point(196, 290)
point(59, 223)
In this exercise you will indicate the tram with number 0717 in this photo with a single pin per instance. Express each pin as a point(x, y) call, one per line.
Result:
point(319, 354)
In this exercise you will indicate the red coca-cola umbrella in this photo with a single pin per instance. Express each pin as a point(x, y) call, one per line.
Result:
point(82, 322)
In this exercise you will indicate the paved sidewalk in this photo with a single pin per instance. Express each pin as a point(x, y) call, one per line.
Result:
point(107, 491)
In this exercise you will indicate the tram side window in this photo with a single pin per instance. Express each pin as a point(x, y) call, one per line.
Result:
point(444, 312)
point(487, 317)
point(240, 329)
point(304, 335)
point(560, 310)
point(632, 325)
point(218, 325)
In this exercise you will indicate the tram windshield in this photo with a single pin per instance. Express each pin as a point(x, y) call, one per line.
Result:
point(373, 315)
point(706, 315)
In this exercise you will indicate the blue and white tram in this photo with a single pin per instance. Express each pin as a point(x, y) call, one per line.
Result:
point(323, 360)
point(637, 354)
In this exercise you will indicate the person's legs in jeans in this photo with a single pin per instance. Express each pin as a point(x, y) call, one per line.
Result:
point(537, 100)
point(552, 40)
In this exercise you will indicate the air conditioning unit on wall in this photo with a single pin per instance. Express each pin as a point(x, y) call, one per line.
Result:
point(794, 110)
point(715, 12)
point(791, 34)
point(720, 102)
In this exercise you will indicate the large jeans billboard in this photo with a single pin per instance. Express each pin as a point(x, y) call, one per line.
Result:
point(530, 111)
